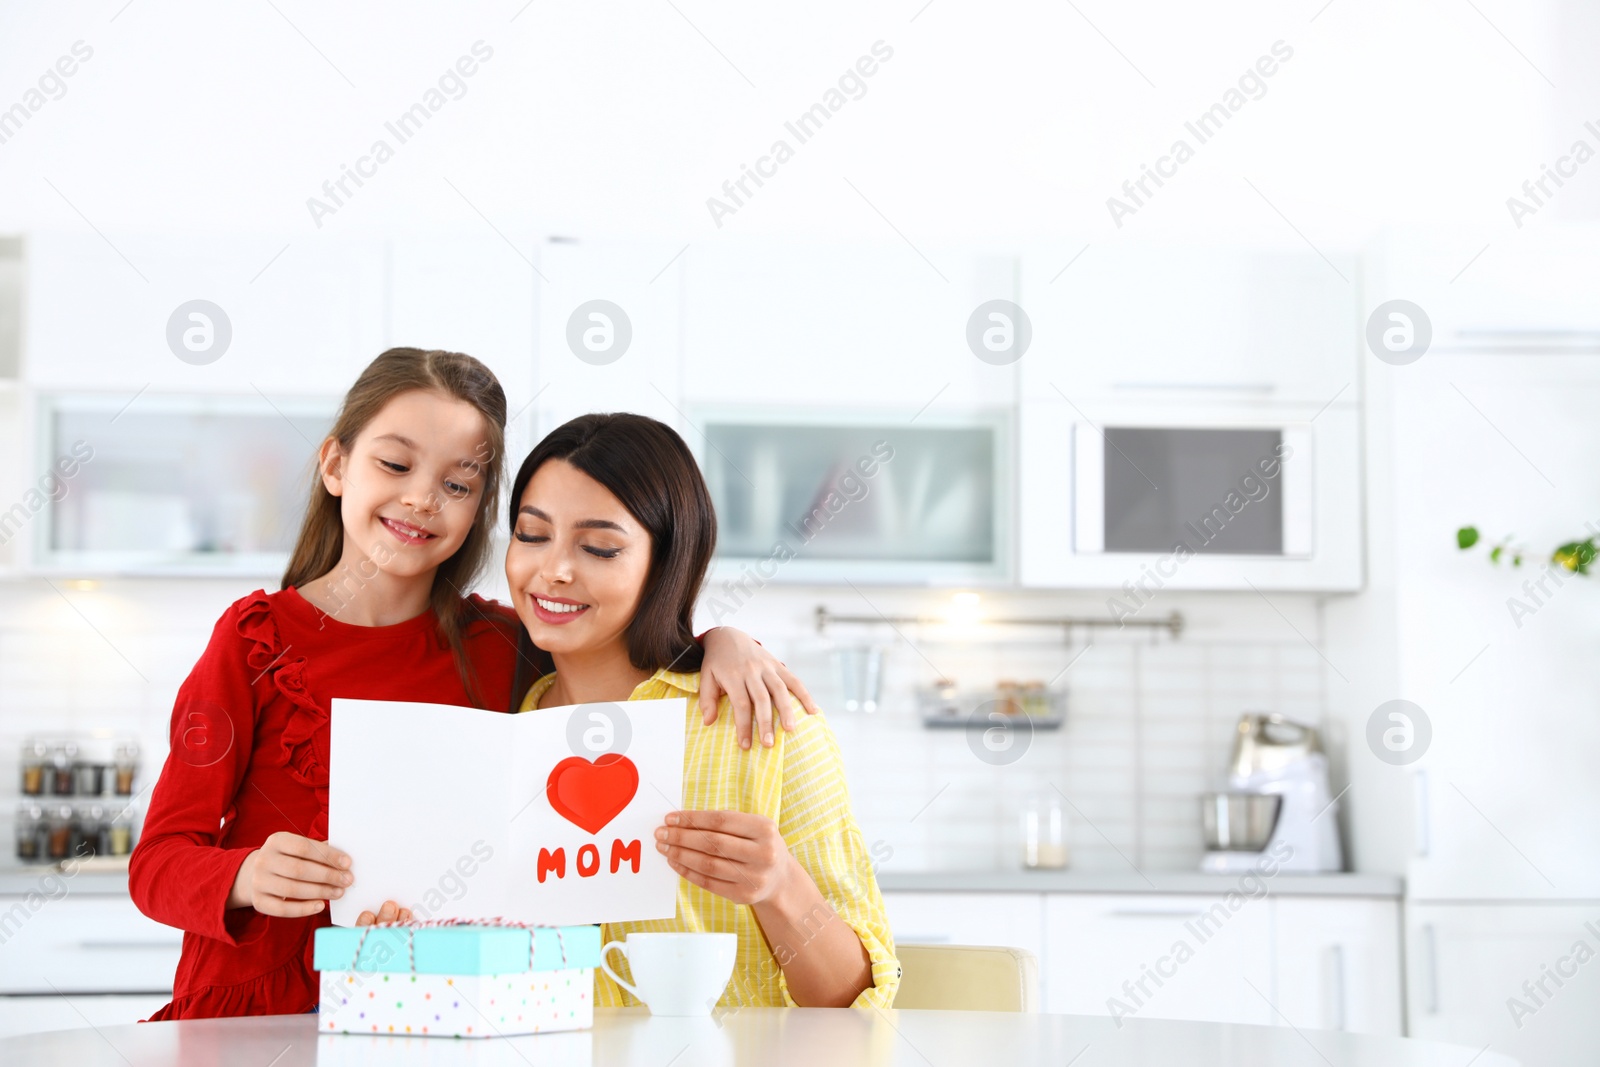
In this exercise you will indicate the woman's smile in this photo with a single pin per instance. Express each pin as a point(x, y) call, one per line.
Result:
point(555, 610)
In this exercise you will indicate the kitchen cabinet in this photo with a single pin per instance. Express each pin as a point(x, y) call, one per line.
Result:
point(465, 294)
point(1168, 957)
point(1315, 962)
point(83, 944)
point(1520, 978)
point(820, 496)
point(305, 324)
point(19, 509)
point(1014, 920)
point(608, 332)
point(840, 327)
point(176, 485)
point(1338, 964)
point(1531, 296)
point(1170, 325)
point(1507, 446)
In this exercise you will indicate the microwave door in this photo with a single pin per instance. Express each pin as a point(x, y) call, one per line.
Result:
point(1227, 492)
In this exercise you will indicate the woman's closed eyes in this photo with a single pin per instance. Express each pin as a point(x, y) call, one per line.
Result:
point(599, 551)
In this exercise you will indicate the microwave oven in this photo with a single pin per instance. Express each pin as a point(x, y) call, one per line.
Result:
point(1131, 497)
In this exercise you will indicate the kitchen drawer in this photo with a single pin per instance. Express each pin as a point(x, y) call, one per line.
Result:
point(1014, 920)
point(1122, 953)
point(84, 945)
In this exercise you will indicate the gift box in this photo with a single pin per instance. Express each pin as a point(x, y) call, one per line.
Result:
point(459, 980)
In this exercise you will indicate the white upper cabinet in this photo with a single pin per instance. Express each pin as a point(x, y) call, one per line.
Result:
point(302, 317)
point(1164, 325)
point(841, 327)
point(474, 295)
point(608, 333)
point(1534, 294)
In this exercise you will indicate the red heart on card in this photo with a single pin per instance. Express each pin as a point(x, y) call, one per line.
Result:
point(592, 794)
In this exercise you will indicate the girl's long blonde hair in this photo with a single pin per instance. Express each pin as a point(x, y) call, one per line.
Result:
point(321, 542)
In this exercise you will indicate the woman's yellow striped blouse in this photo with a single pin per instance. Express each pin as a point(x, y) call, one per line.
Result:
point(798, 783)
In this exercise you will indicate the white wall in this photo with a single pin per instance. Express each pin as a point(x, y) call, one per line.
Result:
point(991, 123)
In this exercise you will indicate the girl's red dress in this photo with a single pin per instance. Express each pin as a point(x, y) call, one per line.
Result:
point(250, 757)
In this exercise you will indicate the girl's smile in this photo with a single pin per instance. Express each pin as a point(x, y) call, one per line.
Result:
point(406, 532)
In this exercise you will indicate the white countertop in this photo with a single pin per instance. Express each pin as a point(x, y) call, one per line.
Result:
point(768, 1037)
point(19, 881)
point(1022, 881)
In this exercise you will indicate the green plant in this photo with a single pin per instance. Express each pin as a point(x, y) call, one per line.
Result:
point(1574, 556)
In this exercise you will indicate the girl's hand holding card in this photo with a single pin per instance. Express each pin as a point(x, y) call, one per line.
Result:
point(290, 876)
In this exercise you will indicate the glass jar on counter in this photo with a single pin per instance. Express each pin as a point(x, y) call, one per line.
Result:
point(35, 765)
point(126, 764)
point(1044, 834)
point(89, 831)
point(119, 837)
point(58, 832)
point(31, 833)
point(62, 764)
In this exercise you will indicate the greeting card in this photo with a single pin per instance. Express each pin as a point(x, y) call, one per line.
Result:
point(548, 816)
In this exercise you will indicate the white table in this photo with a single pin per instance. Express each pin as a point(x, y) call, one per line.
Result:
point(768, 1037)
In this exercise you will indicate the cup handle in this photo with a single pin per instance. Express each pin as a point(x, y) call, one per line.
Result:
point(613, 975)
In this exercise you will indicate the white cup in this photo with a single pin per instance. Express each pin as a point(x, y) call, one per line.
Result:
point(676, 974)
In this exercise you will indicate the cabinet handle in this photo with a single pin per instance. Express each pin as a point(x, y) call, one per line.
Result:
point(1430, 951)
point(1336, 981)
point(1423, 815)
point(138, 945)
point(1154, 913)
point(1210, 387)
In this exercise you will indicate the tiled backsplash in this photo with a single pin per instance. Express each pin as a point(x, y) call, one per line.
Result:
point(1149, 726)
point(1149, 719)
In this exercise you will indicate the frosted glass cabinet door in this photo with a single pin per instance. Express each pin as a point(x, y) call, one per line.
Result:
point(176, 484)
point(869, 498)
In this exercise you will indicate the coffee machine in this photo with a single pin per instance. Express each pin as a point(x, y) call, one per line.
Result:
point(1278, 808)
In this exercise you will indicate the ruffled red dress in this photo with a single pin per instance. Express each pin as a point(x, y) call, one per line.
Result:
point(249, 758)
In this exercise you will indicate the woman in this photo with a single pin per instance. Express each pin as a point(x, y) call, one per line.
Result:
point(612, 533)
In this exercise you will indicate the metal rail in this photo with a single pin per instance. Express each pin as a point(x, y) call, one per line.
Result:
point(1172, 623)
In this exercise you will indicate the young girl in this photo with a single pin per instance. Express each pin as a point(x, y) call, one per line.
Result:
point(613, 529)
point(373, 606)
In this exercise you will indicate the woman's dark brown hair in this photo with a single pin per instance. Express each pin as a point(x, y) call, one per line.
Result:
point(321, 542)
point(646, 466)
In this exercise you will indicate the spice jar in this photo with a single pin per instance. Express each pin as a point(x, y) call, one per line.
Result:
point(1035, 699)
point(89, 777)
point(35, 762)
point(120, 835)
point(1008, 698)
point(93, 768)
point(58, 839)
point(30, 833)
point(127, 762)
point(89, 831)
point(62, 759)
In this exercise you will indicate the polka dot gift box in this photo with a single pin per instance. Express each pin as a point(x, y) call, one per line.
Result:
point(456, 979)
